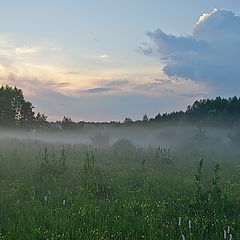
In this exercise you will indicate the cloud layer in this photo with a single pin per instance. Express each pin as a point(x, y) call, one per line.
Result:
point(211, 54)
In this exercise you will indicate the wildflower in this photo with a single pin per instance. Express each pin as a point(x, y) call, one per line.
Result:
point(183, 237)
point(224, 234)
point(228, 230)
point(230, 236)
point(45, 198)
point(189, 224)
point(179, 221)
point(64, 202)
point(209, 197)
point(49, 192)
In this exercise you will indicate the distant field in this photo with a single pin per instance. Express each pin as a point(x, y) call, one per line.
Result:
point(120, 190)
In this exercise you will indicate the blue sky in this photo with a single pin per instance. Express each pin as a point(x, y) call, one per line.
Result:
point(105, 60)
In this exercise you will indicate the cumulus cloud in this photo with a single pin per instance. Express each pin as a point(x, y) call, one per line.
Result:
point(211, 54)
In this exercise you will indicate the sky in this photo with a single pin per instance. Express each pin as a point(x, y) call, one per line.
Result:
point(107, 60)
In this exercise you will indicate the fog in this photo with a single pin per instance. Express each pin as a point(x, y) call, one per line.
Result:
point(164, 136)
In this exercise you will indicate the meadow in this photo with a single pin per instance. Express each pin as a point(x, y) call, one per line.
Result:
point(122, 190)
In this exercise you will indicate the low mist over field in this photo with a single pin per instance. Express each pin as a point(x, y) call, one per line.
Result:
point(153, 181)
point(165, 136)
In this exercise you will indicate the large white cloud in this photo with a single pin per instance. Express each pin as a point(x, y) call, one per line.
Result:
point(211, 54)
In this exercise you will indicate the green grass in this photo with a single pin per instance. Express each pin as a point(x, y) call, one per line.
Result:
point(51, 191)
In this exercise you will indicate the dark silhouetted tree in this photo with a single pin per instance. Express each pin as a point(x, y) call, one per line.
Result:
point(14, 109)
point(145, 118)
point(128, 120)
point(40, 121)
point(67, 123)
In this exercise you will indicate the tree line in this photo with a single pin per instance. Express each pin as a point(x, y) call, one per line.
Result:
point(16, 111)
point(218, 111)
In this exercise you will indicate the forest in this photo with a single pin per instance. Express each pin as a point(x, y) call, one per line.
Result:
point(15, 111)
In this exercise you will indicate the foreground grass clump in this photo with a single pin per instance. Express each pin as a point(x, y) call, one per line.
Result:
point(119, 192)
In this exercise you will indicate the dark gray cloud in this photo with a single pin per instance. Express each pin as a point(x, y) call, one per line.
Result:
point(211, 54)
point(170, 44)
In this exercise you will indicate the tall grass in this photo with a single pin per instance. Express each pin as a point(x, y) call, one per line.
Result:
point(51, 191)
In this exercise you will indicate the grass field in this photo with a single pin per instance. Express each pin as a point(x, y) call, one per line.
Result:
point(123, 191)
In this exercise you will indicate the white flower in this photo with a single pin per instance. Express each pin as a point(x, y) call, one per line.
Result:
point(64, 202)
point(179, 221)
point(189, 224)
point(209, 197)
point(225, 234)
point(45, 198)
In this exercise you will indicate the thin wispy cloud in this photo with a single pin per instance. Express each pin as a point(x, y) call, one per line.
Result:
point(161, 82)
point(99, 90)
point(27, 50)
point(61, 84)
point(194, 95)
point(116, 83)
